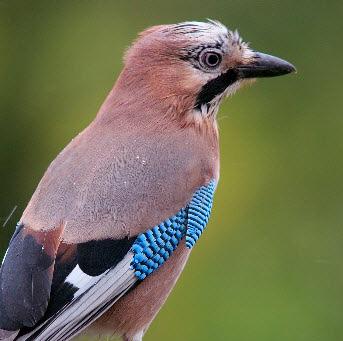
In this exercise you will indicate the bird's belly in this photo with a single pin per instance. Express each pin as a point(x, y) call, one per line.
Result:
point(134, 312)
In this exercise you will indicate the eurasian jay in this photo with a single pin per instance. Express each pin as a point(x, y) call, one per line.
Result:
point(112, 222)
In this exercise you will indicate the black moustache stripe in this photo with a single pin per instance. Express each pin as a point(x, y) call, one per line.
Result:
point(215, 87)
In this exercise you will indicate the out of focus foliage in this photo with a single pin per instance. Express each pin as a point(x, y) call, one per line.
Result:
point(270, 264)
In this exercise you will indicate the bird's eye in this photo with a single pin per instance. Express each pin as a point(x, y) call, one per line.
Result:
point(210, 59)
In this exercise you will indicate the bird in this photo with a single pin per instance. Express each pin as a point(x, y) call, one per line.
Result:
point(113, 220)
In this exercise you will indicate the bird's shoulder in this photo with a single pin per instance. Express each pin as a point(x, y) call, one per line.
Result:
point(105, 184)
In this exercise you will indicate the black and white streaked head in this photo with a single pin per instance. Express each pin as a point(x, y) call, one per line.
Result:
point(197, 64)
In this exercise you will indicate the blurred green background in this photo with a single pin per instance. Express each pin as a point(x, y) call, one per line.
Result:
point(269, 266)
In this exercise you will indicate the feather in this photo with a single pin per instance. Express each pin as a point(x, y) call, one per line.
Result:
point(27, 269)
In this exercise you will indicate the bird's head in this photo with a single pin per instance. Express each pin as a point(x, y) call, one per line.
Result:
point(186, 69)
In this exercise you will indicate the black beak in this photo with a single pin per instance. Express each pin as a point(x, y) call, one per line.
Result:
point(264, 65)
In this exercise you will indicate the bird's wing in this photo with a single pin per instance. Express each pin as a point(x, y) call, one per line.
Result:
point(80, 298)
point(90, 277)
point(25, 276)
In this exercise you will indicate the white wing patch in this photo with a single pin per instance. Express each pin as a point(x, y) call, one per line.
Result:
point(81, 280)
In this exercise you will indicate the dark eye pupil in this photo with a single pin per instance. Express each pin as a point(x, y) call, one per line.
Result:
point(212, 59)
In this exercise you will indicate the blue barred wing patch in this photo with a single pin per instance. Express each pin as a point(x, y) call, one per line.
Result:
point(199, 210)
point(153, 247)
